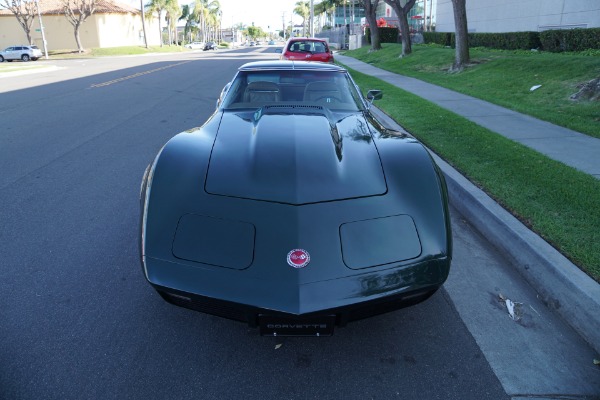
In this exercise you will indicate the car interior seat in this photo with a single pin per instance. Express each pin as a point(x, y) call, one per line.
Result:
point(322, 91)
point(262, 91)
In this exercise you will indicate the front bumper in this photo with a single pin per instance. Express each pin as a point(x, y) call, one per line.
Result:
point(227, 294)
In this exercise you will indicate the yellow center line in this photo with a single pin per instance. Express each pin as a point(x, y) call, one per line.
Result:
point(96, 85)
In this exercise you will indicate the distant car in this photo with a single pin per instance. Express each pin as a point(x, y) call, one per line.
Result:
point(23, 53)
point(307, 49)
point(210, 46)
point(252, 43)
point(195, 45)
point(292, 208)
point(271, 42)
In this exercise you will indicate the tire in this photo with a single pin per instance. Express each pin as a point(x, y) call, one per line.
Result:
point(34, 58)
point(1, 59)
point(25, 57)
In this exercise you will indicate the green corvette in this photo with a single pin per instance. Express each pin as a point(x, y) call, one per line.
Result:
point(292, 208)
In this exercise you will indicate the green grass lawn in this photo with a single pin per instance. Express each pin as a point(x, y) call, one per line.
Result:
point(560, 203)
point(115, 51)
point(504, 78)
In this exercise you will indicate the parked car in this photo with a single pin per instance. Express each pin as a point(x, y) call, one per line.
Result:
point(210, 46)
point(292, 208)
point(23, 53)
point(195, 45)
point(271, 42)
point(307, 49)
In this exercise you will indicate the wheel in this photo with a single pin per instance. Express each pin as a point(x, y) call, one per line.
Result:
point(34, 58)
point(1, 59)
point(25, 57)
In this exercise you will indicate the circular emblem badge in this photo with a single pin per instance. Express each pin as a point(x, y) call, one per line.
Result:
point(298, 258)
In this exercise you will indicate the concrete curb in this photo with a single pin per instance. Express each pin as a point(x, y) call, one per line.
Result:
point(560, 284)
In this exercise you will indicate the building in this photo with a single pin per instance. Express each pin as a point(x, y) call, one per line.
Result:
point(113, 24)
point(521, 15)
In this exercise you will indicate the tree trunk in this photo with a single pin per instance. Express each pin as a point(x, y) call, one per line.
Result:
point(402, 12)
point(461, 34)
point(160, 30)
point(143, 23)
point(405, 32)
point(77, 39)
point(370, 15)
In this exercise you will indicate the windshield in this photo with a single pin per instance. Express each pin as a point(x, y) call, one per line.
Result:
point(330, 89)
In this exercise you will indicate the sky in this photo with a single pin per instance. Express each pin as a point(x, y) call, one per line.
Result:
point(266, 14)
point(263, 13)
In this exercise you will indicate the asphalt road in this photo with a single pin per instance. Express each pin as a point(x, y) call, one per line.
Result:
point(78, 320)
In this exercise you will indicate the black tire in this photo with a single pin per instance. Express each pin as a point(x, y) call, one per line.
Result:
point(25, 57)
point(34, 58)
point(1, 59)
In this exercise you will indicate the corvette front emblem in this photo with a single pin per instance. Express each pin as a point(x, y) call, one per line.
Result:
point(298, 258)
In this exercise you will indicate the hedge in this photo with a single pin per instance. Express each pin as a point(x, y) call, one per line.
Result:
point(551, 40)
point(386, 35)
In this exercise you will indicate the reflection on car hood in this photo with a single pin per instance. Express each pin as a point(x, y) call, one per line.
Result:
point(295, 157)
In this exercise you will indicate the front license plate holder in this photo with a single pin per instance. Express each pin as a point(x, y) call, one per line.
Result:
point(289, 326)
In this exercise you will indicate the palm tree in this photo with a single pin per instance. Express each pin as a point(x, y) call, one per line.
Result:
point(172, 16)
point(190, 17)
point(205, 13)
point(303, 10)
point(156, 6)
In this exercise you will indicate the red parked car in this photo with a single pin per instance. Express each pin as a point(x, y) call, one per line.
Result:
point(304, 49)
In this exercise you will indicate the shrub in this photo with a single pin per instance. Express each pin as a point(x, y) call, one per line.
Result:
point(570, 39)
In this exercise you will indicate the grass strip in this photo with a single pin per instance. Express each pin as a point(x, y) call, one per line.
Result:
point(559, 203)
point(505, 78)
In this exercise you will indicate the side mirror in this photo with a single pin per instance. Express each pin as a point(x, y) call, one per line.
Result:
point(374, 95)
point(223, 93)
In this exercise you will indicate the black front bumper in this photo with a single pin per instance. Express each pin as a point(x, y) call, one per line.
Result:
point(273, 323)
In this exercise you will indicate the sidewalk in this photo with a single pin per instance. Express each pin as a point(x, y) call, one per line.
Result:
point(572, 148)
point(559, 283)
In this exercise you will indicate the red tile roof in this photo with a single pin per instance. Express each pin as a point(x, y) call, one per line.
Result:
point(102, 7)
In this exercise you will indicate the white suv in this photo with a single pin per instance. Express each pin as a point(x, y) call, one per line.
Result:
point(24, 53)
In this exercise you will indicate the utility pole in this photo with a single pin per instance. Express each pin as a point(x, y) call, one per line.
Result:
point(312, 19)
point(425, 15)
point(283, 23)
point(37, 4)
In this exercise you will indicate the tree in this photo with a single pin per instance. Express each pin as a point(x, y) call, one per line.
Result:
point(461, 33)
point(206, 12)
point(173, 12)
point(77, 11)
point(402, 12)
point(24, 11)
point(191, 28)
point(303, 10)
point(157, 6)
point(143, 23)
point(370, 14)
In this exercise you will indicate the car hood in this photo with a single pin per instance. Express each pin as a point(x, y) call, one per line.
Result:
point(294, 156)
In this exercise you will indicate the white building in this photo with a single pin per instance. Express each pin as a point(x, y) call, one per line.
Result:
point(521, 15)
